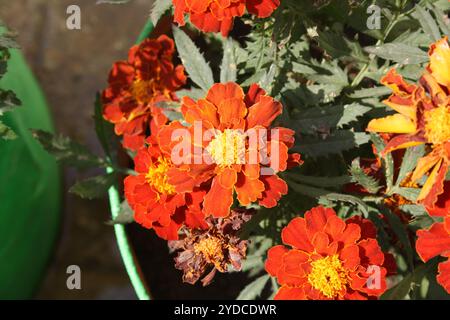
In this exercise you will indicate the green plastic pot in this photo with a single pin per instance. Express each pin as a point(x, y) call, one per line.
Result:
point(29, 189)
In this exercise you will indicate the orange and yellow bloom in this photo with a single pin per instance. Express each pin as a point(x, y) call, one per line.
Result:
point(329, 259)
point(137, 85)
point(218, 15)
point(436, 240)
point(423, 118)
point(228, 162)
point(155, 202)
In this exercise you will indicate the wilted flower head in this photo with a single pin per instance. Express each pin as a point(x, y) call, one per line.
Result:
point(214, 249)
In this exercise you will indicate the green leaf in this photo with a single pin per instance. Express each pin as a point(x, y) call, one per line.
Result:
point(337, 197)
point(402, 289)
point(228, 69)
point(324, 118)
point(399, 52)
point(427, 22)
point(192, 93)
point(440, 17)
point(387, 160)
point(95, 187)
point(8, 101)
point(324, 182)
point(67, 151)
point(254, 289)
point(125, 216)
point(159, 8)
point(400, 231)
point(194, 62)
point(370, 92)
point(410, 194)
point(412, 155)
point(336, 143)
point(104, 130)
point(6, 132)
point(360, 177)
point(268, 78)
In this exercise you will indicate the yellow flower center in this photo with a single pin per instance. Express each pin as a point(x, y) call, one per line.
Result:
point(157, 177)
point(437, 125)
point(328, 276)
point(143, 91)
point(228, 148)
point(212, 250)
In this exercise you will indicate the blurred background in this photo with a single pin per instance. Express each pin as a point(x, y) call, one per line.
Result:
point(71, 66)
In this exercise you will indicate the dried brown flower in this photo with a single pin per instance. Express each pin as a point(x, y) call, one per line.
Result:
point(211, 250)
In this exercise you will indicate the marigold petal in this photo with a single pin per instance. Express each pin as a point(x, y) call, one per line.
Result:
point(439, 65)
point(434, 186)
point(264, 112)
point(290, 293)
point(274, 188)
point(274, 259)
point(248, 190)
point(218, 200)
point(254, 94)
point(396, 123)
point(443, 277)
point(294, 234)
point(432, 242)
point(224, 91)
point(262, 8)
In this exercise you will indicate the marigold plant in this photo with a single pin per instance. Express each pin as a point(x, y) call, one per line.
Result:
point(302, 154)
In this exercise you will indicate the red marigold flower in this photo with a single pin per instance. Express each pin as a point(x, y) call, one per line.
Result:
point(218, 15)
point(234, 164)
point(423, 118)
point(330, 259)
point(137, 85)
point(155, 202)
point(436, 240)
point(216, 248)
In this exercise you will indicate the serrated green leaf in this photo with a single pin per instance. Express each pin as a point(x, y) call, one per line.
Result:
point(324, 118)
point(254, 289)
point(67, 151)
point(94, 187)
point(193, 61)
point(228, 69)
point(159, 8)
point(360, 177)
point(412, 155)
point(399, 52)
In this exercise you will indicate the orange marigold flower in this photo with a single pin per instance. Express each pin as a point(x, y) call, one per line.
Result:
point(330, 259)
point(137, 85)
point(436, 240)
point(234, 164)
point(212, 250)
point(423, 118)
point(218, 15)
point(155, 202)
